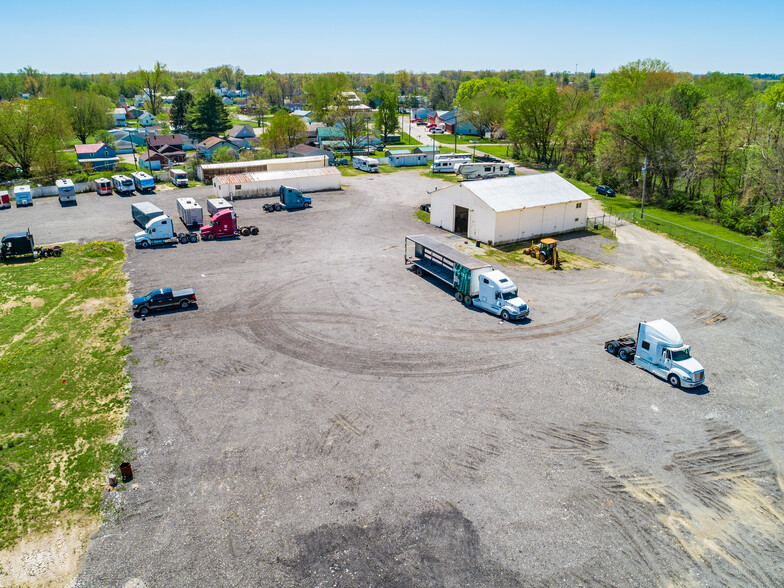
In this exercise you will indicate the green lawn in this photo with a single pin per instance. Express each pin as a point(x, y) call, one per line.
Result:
point(253, 123)
point(63, 389)
point(404, 141)
point(462, 139)
point(502, 151)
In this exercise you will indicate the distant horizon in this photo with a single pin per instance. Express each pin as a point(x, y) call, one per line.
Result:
point(696, 36)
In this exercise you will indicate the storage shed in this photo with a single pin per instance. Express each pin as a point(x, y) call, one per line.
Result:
point(406, 159)
point(206, 172)
point(255, 184)
point(505, 210)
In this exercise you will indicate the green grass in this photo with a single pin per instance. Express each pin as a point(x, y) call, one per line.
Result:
point(62, 385)
point(422, 215)
point(714, 242)
point(512, 254)
point(453, 178)
point(461, 139)
point(498, 151)
point(253, 123)
point(404, 141)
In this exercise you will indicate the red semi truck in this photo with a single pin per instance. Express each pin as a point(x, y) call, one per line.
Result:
point(224, 224)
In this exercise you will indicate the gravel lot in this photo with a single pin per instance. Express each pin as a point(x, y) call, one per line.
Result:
point(328, 418)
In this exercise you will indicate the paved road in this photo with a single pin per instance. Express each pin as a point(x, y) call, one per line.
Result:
point(326, 417)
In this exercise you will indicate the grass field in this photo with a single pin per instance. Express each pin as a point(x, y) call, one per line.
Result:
point(62, 385)
point(502, 151)
point(512, 254)
point(404, 141)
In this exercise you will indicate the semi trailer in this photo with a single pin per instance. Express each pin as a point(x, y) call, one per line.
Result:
point(144, 212)
point(160, 231)
point(476, 283)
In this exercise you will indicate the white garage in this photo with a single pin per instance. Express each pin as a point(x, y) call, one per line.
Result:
point(505, 210)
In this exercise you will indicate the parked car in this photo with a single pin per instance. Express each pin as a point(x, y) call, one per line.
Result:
point(437, 131)
point(605, 191)
point(163, 299)
point(341, 161)
point(416, 120)
point(421, 123)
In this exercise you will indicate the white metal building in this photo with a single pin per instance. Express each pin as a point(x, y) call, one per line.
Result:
point(208, 171)
point(505, 210)
point(250, 185)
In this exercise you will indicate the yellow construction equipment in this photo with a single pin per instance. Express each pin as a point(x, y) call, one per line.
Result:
point(545, 251)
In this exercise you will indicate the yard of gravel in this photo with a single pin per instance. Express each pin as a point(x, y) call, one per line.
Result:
point(325, 416)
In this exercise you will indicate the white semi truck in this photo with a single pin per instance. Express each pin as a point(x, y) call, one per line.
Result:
point(160, 231)
point(476, 283)
point(660, 349)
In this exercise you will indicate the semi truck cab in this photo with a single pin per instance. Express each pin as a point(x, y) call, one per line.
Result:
point(661, 351)
point(222, 224)
point(498, 295)
point(157, 232)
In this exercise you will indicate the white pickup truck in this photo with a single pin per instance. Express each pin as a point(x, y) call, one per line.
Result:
point(659, 349)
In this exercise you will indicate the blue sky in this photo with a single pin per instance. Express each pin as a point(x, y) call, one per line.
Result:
point(366, 36)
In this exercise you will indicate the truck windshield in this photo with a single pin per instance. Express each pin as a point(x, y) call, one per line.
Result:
point(681, 354)
point(510, 295)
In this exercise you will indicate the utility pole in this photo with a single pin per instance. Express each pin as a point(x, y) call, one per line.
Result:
point(644, 172)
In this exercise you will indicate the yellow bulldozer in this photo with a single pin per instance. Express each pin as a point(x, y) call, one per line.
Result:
point(546, 251)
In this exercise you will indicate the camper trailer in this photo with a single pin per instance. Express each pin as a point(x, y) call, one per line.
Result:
point(122, 184)
point(65, 190)
point(448, 165)
point(23, 196)
point(471, 171)
point(363, 163)
point(143, 181)
point(103, 186)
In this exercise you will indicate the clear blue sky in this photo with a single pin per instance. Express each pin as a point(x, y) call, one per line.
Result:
point(367, 36)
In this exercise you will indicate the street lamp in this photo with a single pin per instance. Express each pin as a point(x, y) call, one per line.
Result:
point(642, 202)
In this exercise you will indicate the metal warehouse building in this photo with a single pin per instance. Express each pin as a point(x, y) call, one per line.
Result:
point(255, 184)
point(505, 210)
point(208, 171)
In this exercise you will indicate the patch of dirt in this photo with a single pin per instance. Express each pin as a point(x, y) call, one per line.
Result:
point(47, 560)
point(34, 301)
point(83, 273)
point(9, 304)
point(89, 306)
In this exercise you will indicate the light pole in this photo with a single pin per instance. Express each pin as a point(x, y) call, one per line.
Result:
point(455, 130)
point(642, 202)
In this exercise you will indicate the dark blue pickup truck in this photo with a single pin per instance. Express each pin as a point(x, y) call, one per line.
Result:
point(163, 299)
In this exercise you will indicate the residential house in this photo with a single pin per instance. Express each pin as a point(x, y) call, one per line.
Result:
point(326, 135)
point(312, 132)
point(423, 113)
point(210, 145)
point(241, 143)
point(171, 153)
point(96, 156)
point(227, 101)
point(241, 132)
point(130, 136)
point(146, 119)
point(292, 106)
point(303, 114)
point(303, 150)
point(120, 117)
point(121, 147)
point(152, 160)
point(456, 123)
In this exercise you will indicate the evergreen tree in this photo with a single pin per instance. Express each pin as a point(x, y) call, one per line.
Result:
point(207, 117)
point(179, 109)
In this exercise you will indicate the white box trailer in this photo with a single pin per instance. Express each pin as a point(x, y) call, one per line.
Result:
point(253, 185)
point(217, 204)
point(122, 184)
point(190, 212)
point(65, 190)
point(178, 177)
point(143, 181)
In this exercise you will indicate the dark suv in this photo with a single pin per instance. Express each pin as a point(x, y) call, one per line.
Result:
point(605, 191)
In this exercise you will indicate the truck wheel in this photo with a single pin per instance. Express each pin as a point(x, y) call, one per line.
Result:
point(625, 353)
point(145, 244)
point(144, 311)
point(184, 304)
point(459, 296)
point(505, 315)
point(183, 238)
point(674, 380)
point(418, 271)
point(210, 237)
point(468, 301)
point(254, 230)
point(612, 347)
point(244, 231)
point(193, 238)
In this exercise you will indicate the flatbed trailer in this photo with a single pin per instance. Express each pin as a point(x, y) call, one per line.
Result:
point(429, 256)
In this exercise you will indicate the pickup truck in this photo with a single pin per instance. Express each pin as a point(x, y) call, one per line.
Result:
point(163, 299)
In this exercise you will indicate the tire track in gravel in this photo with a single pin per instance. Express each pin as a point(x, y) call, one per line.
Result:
point(715, 511)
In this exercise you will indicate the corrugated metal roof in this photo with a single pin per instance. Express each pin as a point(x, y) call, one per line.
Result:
point(282, 174)
point(518, 192)
point(211, 167)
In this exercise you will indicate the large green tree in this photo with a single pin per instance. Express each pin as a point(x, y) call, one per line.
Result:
point(532, 119)
point(284, 131)
point(321, 92)
point(207, 116)
point(87, 111)
point(351, 121)
point(178, 113)
point(28, 128)
point(154, 83)
point(386, 120)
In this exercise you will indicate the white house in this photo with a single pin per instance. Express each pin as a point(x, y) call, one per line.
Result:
point(146, 119)
point(505, 210)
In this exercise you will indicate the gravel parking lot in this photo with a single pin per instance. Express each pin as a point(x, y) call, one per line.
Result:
point(328, 418)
